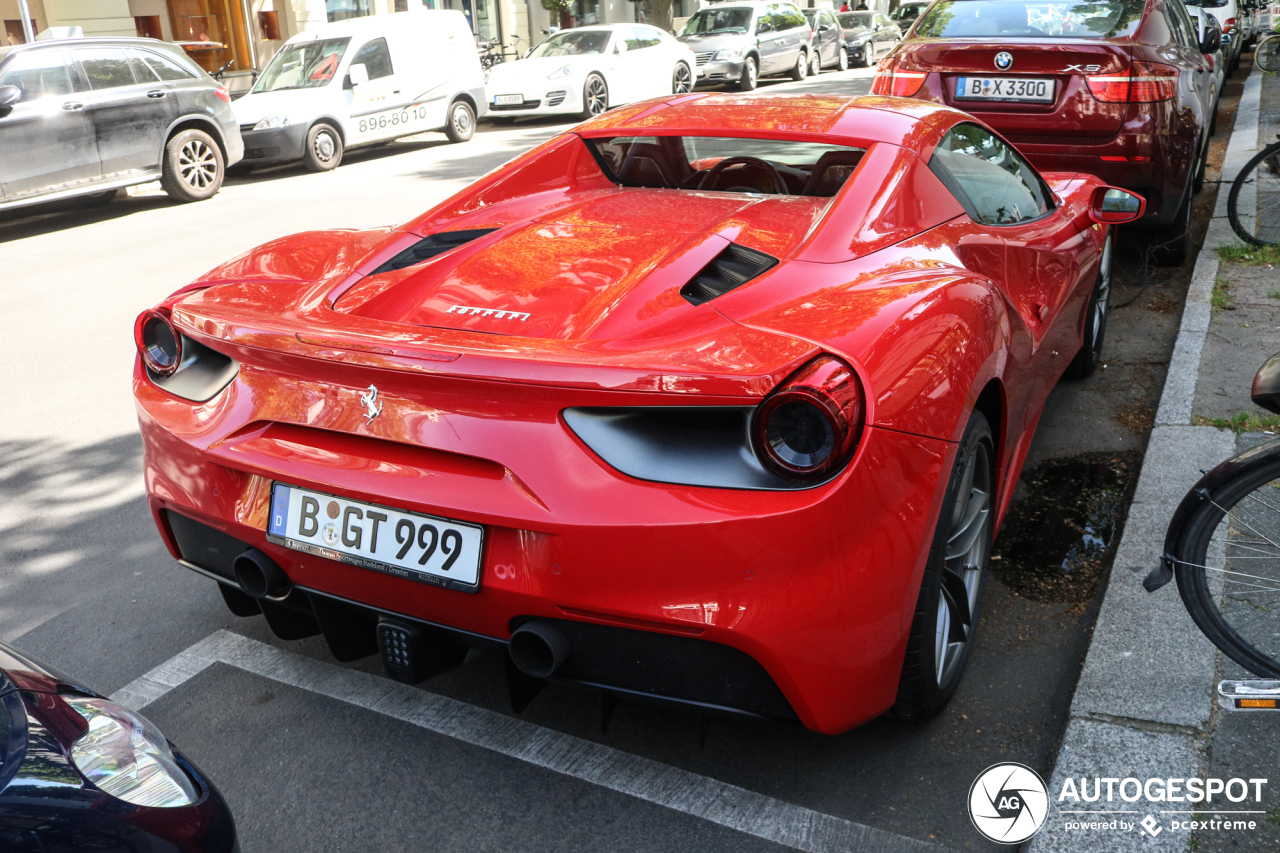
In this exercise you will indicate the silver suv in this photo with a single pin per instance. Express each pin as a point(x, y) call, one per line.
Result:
point(737, 42)
point(85, 117)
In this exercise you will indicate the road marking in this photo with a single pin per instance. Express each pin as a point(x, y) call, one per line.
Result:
point(712, 800)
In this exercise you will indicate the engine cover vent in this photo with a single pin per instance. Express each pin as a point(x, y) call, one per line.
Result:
point(735, 266)
point(430, 246)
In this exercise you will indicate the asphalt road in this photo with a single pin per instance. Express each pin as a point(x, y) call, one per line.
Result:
point(86, 584)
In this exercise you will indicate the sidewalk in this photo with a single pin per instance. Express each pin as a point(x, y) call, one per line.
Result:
point(1145, 703)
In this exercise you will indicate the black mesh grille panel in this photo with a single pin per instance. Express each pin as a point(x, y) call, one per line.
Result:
point(735, 266)
point(203, 546)
point(429, 247)
point(670, 666)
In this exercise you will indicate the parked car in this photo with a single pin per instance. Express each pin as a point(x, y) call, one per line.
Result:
point(828, 47)
point(83, 118)
point(79, 772)
point(1116, 88)
point(363, 81)
point(587, 70)
point(740, 42)
point(868, 36)
point(716, 401)
point(1209, 33)
point(1229, 19)
point(907, 14)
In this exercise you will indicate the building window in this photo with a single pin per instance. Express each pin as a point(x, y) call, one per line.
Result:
point(213, 32)
point(341, 10)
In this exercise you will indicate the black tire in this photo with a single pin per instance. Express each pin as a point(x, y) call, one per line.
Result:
point(323, 151)
point(193, 167)
point(1240, 617)
point(1089, 357)
point(950, 601)
point(1261, 174)
point(800, 70)
point(750, 74)
point(681, 79)
point(96, 200)
point(461, 124)
point(842, 61)
point(1197, 183)
point(595, 96)
point(1213, 122)
point(1169, 246)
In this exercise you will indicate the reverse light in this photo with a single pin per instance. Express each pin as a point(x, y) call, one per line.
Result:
point(272, 123)
point(810, 425)
point(158, 342)
point(891, 79)
point(222, 94)
point(123, 754)
point(1146, 82)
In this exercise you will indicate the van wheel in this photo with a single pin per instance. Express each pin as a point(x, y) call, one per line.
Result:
point(750, 73)
point(193, 168)
point(324, 148)
point(462, 122)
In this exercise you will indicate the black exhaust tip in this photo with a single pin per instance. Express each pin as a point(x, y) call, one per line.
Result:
point(538, 650)
point(259, 576)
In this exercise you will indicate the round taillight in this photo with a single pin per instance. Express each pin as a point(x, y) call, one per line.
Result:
point(159, 343)
point(809, 427)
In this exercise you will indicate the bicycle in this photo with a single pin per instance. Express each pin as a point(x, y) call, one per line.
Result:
point(1223, 548)
point(1257, 188)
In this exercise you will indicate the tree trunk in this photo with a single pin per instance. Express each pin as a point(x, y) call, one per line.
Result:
point(662, 14)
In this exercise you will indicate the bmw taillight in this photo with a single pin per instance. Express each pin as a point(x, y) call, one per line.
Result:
point(809, 426)
point(1146, 82)
point(158, 342)
point(891, 79)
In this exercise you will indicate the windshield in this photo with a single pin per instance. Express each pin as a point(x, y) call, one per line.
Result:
point(1031, 19)
point(307, 65)
point(718, 21)
point(727, 164)
point(909, 12)
point(856, 20)
point(573, 43)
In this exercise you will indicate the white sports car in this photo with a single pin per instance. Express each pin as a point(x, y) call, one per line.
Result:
point(590, 69)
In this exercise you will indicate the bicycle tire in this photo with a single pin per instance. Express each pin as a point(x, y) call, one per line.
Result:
point(1263, 173)
point(1230, 606)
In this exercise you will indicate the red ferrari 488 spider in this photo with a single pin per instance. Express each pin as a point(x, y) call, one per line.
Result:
point(715, 400)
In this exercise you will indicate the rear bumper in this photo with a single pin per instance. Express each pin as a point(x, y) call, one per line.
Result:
point(807, 596)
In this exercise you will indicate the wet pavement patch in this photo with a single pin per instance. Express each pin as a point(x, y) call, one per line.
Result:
point(1063, 525)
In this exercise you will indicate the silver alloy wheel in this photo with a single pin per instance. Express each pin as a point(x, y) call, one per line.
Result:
point(753, 71)
point(197, 164)
point(597, 96)
point(964, 561)
point(802, 65)
point(461, 119)
point(684, 79)
point(1104, 292)
point(324, 146)
point(815, 63)
point(843, 59)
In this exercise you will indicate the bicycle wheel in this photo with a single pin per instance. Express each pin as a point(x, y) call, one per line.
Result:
point(1225, 545)
point(1253, 206)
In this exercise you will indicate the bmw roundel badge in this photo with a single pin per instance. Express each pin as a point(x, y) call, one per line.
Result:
point(1004, 60)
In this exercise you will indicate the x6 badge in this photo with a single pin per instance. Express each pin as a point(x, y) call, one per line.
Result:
point(1004, 60)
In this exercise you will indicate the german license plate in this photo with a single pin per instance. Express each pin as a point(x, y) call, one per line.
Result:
point(409, 545)
point(1029, 89)
point(508, 99)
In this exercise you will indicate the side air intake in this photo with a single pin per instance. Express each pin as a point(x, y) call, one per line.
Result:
point(429, 247)
point(734, 266)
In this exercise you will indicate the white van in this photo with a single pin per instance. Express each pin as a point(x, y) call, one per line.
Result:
point(361, 82)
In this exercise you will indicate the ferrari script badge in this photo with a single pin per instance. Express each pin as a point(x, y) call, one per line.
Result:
point(369, 399)
point(1004, 60)
point(489, 312)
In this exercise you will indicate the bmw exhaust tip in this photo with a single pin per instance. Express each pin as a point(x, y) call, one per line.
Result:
point(538, 649)
point(259, 576)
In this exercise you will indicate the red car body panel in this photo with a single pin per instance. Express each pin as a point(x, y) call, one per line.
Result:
point(817, 584)
point(1151, 148)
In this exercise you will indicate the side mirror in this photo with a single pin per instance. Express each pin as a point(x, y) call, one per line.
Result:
point(620, 47)
point(1211, 42)
point(356, 75)
point(1266, 385)
point(9, 95)
point(764, 27)
point(1113, 206)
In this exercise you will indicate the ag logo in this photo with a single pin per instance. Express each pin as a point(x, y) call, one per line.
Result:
point(1008, 803)
point(1004, 60)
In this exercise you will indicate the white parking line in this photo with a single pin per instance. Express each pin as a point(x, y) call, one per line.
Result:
point(709, 799)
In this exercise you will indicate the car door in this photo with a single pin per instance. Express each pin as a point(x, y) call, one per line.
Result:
point(648, 64)
point(46, 138)
point(1195, 80)
point(130, 115)
point(797, 34)
point(887, 34)
point(377, 105)
point(770, 38)
point(827, 35)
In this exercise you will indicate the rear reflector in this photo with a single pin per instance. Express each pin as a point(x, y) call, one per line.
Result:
point(1146, 82)
point(1123, 159)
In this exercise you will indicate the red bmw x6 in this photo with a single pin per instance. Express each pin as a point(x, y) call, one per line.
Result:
point(1120, 89)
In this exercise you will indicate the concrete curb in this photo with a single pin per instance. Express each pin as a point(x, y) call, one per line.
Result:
point(1142, 705)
